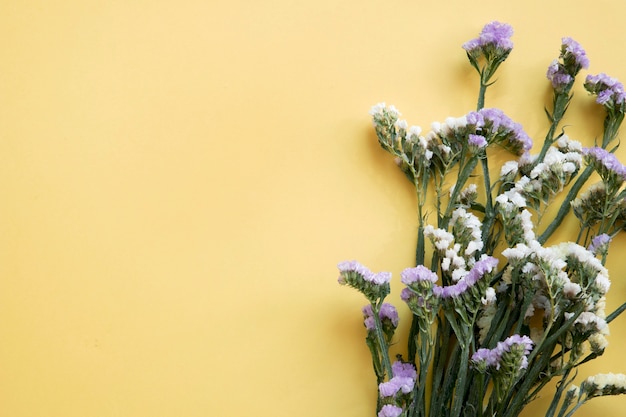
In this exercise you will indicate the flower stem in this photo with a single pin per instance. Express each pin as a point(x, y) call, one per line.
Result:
point(384, 349)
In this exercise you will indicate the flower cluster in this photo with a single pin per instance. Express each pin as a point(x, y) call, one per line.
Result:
point(496, 312)
point(609, 91)
point(375, 286)
point(510, 353)
point(572, 59)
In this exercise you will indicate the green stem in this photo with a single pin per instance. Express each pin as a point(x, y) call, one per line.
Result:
point(565, 206)
point(481, 94)
point(384, 350)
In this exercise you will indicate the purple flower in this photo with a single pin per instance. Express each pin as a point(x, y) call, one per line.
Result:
point(389, 410)
point(609, 91)
point(605, 163)
point(599, 243)
point(396, 384)
point(478, 141)
point(418, 274)
point(347, 267)
point(387, 312)
point(494, 34)
point(480, 269)
point(558, 76)
point(513, 349)
point(574, 53)
point(485, 357)
point(493, 124)
point(404, 369)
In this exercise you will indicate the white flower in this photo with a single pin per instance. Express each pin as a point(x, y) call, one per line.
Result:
point(571, 289)
point(490, 296)
point(509, 167)
point(402, 124)
point(378, 109)
point(598, 342)
point(416, 130)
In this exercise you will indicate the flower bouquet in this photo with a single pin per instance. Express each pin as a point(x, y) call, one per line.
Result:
point(497, 312)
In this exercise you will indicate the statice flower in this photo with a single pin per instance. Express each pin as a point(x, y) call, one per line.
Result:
point(390, 410)
point(572, 59)
point(587, 206)
point(610, 169)
point(604, 384)
point(477, 142)
point(418, 275)
point(609, 91)
point(384, 119)
point(466, 294)
point(600, 244)
point(466, 228)
point(574, 56)
point(558, 77)
point(498, 128)
point(388, 314)
point(402, 381)
point(373, 285)
point(511, 353)
point(494, 41)
point(486, 337)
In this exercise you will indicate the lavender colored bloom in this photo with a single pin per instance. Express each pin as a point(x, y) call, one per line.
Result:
point(347, 267)
point(353, 267)
point(573, 51)
point(389, 410)
point(478, 141)
point(387, 311)
point(396, 384)
point(516, 345)
point(558, 76)
point(494, 34)
point(406, 294)
point(487, 357)
point(608, 90)
point(480, 269)
point(387, 389)
point(599, 243)
point(524, 341)
point(498, 127)
point(403, 369)
point(418, 274)
point(605, 162)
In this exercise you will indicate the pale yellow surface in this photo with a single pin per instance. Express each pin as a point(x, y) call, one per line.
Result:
point(179, 180)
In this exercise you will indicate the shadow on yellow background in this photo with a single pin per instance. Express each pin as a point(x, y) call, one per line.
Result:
point(179, 180)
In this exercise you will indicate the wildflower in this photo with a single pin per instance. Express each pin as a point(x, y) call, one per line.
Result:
point(387, 314)
point(574, 56)
point(511, 353)
point(610, 169)
point(600, 244)
point(390, 410)
point(604, 384)
point(490, 296)
point(562, 71)
point(494, 39)
point(497, 127)
point(384, 119)
point(477, 142)
point(373, 285)
point(609, 91)
point(419, 274)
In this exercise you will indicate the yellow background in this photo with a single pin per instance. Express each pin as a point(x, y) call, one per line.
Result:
point(179, 180)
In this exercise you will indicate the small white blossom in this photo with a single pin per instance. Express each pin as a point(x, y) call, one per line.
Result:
point(490, 296)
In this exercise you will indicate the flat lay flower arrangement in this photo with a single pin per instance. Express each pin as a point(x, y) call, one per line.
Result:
point(497, 312)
